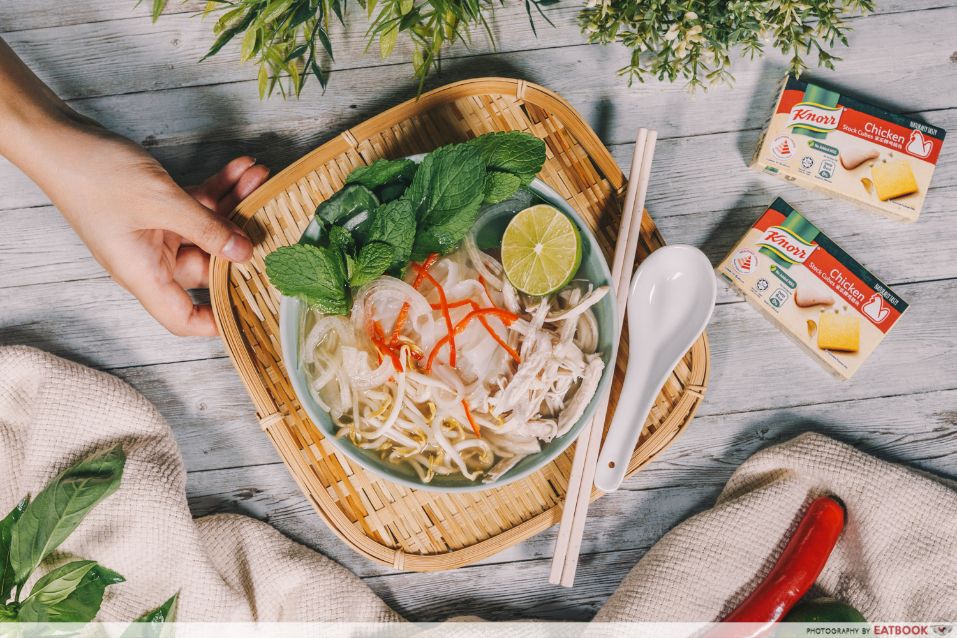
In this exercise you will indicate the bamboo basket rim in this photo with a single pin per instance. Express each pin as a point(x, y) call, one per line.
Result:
point(270, 416)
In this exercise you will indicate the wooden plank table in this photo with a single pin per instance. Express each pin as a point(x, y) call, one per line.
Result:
point(142, 80)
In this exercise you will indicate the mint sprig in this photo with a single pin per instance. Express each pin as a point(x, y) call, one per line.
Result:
point(392, 211)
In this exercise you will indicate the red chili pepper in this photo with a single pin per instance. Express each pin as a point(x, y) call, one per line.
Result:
point(423, 268)
point(399, 322)
point(504, 315)
point(795, 571)
point(445, 312)
point(453, 304)
point(485, 287)
point(468, 415)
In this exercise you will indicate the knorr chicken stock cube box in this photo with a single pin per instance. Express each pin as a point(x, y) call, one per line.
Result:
point(830, 304)
point(823, 140)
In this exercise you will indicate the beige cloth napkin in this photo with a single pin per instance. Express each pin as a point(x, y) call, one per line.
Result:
point(227, 568)
point(896, 561)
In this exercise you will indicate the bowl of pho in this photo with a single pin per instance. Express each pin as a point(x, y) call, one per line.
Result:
point(446, 319)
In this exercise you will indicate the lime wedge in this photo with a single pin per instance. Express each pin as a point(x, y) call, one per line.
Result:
point(541, 250)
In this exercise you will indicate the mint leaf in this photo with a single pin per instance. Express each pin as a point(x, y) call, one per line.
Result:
point(450, 182)
point(314, 275)
point(7, 582)
point(443, 238)
point(394, 224)
point(373, 260)
point(512, 152)
point(61, 507)
point(349, 202)
point(341, 240)
point(500, 186)
point(71, 593)
point(391, 192)
point(383, 172)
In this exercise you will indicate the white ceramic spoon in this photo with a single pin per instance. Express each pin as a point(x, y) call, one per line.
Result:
point(669, 304)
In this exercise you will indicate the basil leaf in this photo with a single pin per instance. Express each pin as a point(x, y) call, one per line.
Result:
point(500, 186)
point(61, 507)
point(373, 260)
point(394, 224)
point(350, 201)
point(7, 581)
point(512, 152)
point(156, 623)
point(71, 593)
point(315, 275)
point(383, 172)
point(164, 613)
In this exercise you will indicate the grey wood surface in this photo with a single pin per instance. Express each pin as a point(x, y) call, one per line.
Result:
point(143, 81)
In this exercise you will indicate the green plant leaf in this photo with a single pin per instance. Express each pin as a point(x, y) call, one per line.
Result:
point(341, 240)
point(373, 260)
point(324, 40)
point(443, 238)
point(61, 507)
point(71, 593)
point(156, 623)
point(228, 34)
point(450, 182)
point(315, 275)
point(383, 172)
point(387, 40)
point(394, 224)
point(158, 6)
point(7, 581)
point(500, 186)
point(250, 44)
point(350, 201)
point(164, 613)
point(512, 152)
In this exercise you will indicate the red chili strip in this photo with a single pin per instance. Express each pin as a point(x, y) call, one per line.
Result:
point(453, 304)
point(505, 316)
point(445, 312)
point(399, 322)
point(468, 415)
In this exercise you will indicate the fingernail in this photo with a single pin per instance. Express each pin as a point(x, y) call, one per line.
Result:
point(253, 163)
point(237, 248)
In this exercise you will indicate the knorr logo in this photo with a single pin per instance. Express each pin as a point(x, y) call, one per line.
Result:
point(814, 117)
point(786, 245)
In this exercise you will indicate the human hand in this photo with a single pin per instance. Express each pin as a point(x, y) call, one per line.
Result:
point(153, 237)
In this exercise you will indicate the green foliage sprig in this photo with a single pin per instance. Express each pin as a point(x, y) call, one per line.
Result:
point(690, 40)
point(33, 529)
point(694, 40)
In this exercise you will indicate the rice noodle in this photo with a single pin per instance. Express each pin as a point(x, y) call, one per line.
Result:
point(419, 418)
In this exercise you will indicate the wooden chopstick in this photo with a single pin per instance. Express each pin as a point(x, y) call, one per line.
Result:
point(578, 494)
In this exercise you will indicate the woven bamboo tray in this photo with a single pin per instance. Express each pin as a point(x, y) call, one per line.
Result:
point(388, 523)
